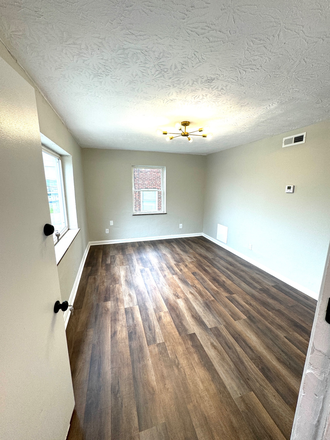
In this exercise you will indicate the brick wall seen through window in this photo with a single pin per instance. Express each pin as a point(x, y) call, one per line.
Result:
point(148, 189)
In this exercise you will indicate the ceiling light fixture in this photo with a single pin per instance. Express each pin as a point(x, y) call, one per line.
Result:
point(182, 128)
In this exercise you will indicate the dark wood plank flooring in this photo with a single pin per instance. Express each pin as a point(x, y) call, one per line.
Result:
point(180, 339)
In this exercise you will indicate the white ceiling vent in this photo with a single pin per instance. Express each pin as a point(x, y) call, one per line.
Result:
point(294, 140)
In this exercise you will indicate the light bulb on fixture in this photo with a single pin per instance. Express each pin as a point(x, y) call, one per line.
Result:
point(159, 132)
point(209, 136)
point(183, 131)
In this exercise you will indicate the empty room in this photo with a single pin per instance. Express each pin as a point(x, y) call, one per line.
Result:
point(165, 219)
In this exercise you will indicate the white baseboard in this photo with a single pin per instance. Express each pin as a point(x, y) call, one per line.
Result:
point(73, 293)
point(133, 240)
point(286, 280)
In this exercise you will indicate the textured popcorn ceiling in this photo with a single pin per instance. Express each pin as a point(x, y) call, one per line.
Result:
point(115, 71)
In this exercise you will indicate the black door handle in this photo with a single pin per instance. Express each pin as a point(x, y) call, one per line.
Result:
point(58, 306)
point(48, 229)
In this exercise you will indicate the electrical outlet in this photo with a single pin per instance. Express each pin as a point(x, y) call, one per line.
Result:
point(111, 222)
point(107, 231)
point(180, 225)
point(250, 246)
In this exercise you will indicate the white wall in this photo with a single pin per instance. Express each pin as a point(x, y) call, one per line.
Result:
point(245, 190)
point(52, 127)
point(108, 189)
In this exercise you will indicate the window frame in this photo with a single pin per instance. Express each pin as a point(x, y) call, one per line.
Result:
point(163, 189)
point(62, 189)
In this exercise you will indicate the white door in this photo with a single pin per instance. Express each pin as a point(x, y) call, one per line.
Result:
point(36, 396)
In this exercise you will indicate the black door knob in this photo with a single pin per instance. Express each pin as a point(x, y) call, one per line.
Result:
point(48, 229)
point(58, 306)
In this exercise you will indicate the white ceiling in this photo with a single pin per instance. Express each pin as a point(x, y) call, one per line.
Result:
point(115, 71)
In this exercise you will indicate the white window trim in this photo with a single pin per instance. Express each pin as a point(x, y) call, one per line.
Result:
point(63, 245)
point(67, 239)
point(163, 168)
point(61, 179)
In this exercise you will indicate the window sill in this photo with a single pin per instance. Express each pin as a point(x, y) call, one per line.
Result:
point(150, 213)
point(63, 245)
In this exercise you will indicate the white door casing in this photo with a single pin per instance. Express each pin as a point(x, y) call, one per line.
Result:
point(312, 417)
point(36, 395)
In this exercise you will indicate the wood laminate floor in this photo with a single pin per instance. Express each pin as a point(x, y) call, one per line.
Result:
point(180, 339)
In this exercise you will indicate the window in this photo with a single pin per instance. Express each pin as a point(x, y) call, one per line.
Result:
point(149, 195)
point(55, 191)
point(58, 167)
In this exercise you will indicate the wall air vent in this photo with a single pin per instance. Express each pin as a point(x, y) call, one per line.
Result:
point(222, 233)
point(294, 140)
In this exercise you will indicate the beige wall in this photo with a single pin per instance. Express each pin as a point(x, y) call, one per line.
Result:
point(245, 190)
point(52, 127)
point(108, 189)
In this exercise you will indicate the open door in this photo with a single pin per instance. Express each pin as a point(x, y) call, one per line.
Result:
point(36, 395)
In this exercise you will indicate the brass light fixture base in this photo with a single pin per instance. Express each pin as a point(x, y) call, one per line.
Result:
point(184, 124)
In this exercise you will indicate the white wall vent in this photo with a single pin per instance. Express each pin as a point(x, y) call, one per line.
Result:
point(294, 140)
point(222, 233)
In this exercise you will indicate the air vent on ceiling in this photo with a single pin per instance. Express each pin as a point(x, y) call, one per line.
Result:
point(294, 140)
